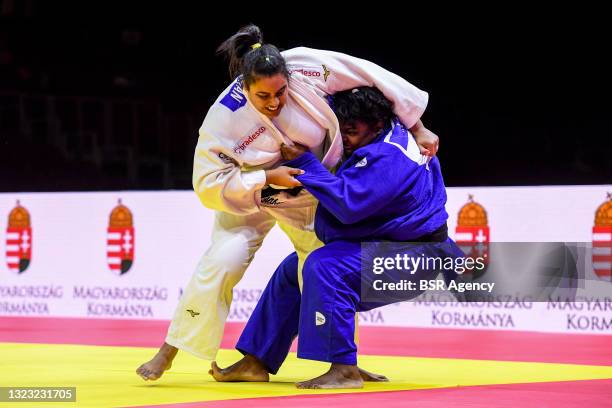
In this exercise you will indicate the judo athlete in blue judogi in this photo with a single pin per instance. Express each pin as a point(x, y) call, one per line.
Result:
point(384, 191)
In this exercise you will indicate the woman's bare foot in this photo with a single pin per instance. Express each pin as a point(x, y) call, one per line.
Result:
point(154, 368)
point(338, 376)
point(247, 369)
point(371, 377)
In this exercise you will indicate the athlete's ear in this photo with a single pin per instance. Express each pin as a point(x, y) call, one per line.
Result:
point(377, 128)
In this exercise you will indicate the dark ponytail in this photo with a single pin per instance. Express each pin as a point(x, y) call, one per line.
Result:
point(249, 57)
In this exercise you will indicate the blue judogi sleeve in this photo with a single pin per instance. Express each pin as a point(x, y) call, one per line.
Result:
point(358, 191)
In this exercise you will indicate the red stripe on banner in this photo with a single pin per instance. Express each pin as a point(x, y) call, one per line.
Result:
point(114, 242)
point(602, 258)
point(603, 272)
point(114, 266)
point(589, 393)
point(602, 229)
point(394, 341)
point(114, 254)
point(13, 253)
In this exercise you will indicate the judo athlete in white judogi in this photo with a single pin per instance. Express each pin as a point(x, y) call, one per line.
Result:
point(275, 99)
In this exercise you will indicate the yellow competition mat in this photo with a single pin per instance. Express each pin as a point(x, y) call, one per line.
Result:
point(105, 376)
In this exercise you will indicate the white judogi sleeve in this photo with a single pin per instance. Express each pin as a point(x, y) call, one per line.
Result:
point(333, 72)
point(219, 181)
point(234, 147)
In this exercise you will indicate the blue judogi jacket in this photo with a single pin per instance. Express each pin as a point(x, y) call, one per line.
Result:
point(386, 190)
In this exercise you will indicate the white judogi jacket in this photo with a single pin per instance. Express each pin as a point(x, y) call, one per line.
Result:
point(237, 143)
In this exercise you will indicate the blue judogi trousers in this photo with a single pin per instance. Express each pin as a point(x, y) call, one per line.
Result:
point(323, 315)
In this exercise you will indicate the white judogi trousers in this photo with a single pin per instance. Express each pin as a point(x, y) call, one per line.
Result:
point(208, 296)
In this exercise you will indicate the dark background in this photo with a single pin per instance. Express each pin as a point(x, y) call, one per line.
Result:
point(102, 95)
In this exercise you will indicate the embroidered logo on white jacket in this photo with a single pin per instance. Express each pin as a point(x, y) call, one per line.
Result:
point(243, 144)
point(319, 319)
point(362, 163)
